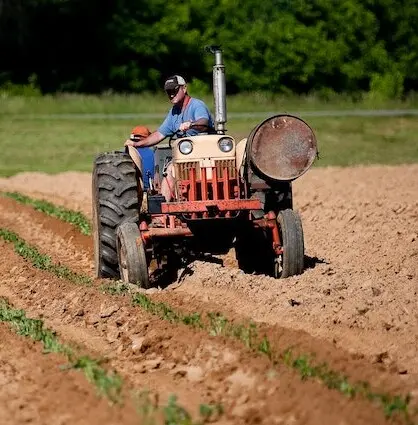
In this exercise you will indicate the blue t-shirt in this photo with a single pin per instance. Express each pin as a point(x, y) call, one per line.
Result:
point(194, 110)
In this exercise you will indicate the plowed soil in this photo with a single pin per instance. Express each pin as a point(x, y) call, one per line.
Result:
point(355, 306)
point(35, 390)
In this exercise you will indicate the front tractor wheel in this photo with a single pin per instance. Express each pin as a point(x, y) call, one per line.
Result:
point(291, 261)
point(132, 258)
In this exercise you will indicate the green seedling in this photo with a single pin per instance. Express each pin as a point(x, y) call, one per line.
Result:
point(219, 325)
point(40, 261)
point(107, 384)
point(115, 288)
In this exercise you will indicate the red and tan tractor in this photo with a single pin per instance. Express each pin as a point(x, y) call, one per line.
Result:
point(227, 194)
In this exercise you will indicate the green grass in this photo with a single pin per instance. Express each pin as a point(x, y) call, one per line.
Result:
point(41, 261)
point(115, 288)
point(157, 103)
point(370, 140)
point(36, 142)
point(75, 218)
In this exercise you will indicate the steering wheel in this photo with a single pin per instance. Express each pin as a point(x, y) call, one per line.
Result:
point(178, 134)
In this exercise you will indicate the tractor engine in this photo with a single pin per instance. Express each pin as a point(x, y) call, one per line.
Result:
point(205, 170)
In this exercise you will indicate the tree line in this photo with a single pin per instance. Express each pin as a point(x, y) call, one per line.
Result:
point(279, 46)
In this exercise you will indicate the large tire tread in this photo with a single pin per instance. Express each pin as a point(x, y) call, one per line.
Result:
point(115, 200)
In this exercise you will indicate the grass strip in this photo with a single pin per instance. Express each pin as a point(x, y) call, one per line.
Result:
point(75, 218)
point(165, 312)
point(115, 288)
point(40, 261)
point(107, 384)
point(218, 325)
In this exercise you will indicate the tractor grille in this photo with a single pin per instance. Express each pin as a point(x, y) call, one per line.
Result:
point(183, 168)
point(182, 171)
point(206, 183)
point(226, 163)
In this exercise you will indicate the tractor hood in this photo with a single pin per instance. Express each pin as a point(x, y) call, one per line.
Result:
point(281, 148)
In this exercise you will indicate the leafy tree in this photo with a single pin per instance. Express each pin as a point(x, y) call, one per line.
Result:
point(284, 46)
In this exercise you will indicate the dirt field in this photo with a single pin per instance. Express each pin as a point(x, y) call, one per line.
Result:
point(356, 303)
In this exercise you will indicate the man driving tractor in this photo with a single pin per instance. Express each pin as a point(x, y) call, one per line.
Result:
point(188, 116)
point(228, 193)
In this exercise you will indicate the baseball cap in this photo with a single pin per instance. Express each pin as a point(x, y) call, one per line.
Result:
point(139, 131)
point(173, 82)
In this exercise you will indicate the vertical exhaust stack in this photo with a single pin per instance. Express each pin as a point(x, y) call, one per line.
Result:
point(219, 89)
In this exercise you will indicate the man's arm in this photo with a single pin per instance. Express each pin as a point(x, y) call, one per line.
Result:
point(151, 140)
point(200, 117)
point(201, 124)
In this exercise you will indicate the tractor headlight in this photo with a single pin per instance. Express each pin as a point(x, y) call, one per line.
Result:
point(225, 144)
point(185, 147)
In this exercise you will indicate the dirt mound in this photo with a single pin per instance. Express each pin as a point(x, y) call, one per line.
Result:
point(70, 189)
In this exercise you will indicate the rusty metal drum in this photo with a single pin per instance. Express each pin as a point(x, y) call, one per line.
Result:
point(281, 148)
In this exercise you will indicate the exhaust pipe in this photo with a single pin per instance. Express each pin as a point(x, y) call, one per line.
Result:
point(219, 89)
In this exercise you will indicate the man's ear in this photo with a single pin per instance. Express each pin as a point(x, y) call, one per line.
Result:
point(185, 89)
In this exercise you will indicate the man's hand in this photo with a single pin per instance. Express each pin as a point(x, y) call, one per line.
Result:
point(129, 142)
point(185, 125)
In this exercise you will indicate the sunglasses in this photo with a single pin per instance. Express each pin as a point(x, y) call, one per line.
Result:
point(172, 92)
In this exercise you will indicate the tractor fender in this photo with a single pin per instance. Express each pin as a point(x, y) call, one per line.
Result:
point(240, 155)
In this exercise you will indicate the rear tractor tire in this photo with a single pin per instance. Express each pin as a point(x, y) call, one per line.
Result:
point(116, 200)
point(291, 261)
point(132, 258)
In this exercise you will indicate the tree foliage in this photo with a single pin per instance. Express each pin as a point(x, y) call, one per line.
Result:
point(281, 46)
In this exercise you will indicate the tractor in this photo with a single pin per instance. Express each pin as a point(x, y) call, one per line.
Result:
point(228, 194)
